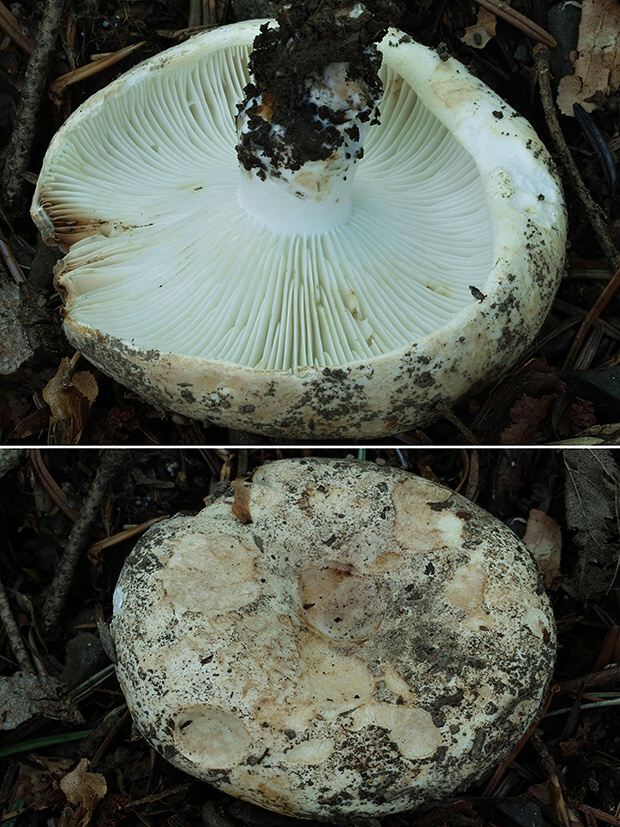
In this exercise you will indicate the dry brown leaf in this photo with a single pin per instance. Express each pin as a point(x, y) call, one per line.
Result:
point(38, 779)
point(84, 790)
point(592, 502)
point(597, 63)
point(69, 402)
point(478, 35)
point(543, 537)
point(526, 414)
point(551, 801)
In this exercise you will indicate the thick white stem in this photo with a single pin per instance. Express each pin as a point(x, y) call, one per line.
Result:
point(316, 197)
point(312, 200)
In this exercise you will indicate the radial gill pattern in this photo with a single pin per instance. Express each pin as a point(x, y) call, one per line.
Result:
point(163, 256)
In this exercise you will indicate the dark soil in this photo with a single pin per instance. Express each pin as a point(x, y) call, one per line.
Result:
point(310, 36)
point(567, 775)
point(539, 401)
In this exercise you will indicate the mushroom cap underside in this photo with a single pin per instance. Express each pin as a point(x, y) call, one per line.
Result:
point(335, 639)
point(439, 280)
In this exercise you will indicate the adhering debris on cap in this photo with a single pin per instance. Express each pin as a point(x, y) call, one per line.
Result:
point(336, 640)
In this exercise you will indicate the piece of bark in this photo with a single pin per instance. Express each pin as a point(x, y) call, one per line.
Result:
point(597, 63)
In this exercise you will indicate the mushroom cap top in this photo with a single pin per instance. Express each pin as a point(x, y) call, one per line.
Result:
point(457, 234)
point(336, 639)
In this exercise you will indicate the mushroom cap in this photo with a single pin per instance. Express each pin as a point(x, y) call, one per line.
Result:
point(359, 332)
point(337, 639)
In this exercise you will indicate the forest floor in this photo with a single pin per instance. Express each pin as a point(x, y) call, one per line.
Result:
point(68, 520)
point(568, 384)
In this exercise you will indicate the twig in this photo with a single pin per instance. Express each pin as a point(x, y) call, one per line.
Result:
point(111, 462)
point(599, 814)
point(95, 550)
point(549, 766)
point(464, 475)
point(49, 483)
point(12, 265)
point(584, 707)
point(149, 799)
point(88, 686)
point(20, 144)
point(10, 24)
point(57, 88)
point(448, 413)
point(103, 747)
point(519, 21)
point(593, 211)
point(595, 679)
point(12, 630)
point(595, 311)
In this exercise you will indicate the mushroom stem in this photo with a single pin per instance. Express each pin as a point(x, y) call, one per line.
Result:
point(301, 126)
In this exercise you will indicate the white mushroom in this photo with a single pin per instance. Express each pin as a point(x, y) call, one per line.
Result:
point(339, 639)
point(349, 314)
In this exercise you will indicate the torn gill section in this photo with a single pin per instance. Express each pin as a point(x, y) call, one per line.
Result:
point(315, 90)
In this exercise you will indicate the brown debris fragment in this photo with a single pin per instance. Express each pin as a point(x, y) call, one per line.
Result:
point(84, 790)
point(241, 503)
point(478, 35)
point(597, 62)
point(69, 400)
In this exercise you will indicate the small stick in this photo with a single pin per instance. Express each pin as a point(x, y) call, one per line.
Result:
point(593, 211)
point(20, 144)
point(12, 265)
point(10, 25)
point(519, 21)
point(111, 462)
point(549, 766)
point(57, 87)
point(447, 413)
point(49, 483)
point(599, 814)
point(95, 550)
point(12, 630)
point(595, 311)
point(595, 679)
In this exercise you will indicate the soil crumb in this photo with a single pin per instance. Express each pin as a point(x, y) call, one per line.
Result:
point(284, 127)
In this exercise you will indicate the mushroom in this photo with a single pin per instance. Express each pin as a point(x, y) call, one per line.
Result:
point(317, 303)
point(335, 640)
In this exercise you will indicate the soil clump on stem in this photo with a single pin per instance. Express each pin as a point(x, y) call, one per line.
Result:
point(287, 61)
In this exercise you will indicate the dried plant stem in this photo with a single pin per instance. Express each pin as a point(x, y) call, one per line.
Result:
point(12, 630)
point(593, 211)
point(567, 817)
point(520, 21)
point(10, 25)
point(595, 311)
point(111, 462)
point(20, 145)
point(595, 680)
point(49, 484)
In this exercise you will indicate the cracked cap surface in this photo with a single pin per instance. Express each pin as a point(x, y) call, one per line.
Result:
point(355, 641)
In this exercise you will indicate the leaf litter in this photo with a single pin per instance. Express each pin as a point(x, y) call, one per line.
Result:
point(592, 511)
point(111, 775)
point(497, 46)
